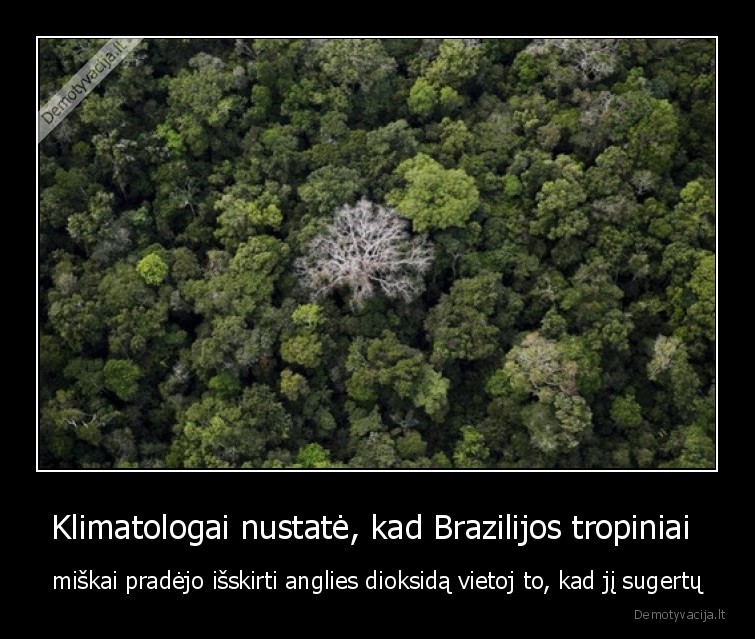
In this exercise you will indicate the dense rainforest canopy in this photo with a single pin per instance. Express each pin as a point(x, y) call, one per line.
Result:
point(365, 253)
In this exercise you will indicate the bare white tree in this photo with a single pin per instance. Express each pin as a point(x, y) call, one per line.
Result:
point(366, 248)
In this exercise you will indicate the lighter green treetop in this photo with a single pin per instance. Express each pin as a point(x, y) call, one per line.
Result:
point(434, 197)
point(153, 269)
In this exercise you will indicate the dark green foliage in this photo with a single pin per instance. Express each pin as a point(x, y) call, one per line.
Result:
point(564, 316)
point(122, 377)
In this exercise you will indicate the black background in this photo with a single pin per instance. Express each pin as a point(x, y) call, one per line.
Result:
point(709, 552)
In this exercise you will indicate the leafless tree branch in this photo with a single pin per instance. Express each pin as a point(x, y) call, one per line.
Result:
point(366, 248)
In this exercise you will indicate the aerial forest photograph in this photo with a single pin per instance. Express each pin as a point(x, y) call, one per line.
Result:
point(379, 253)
